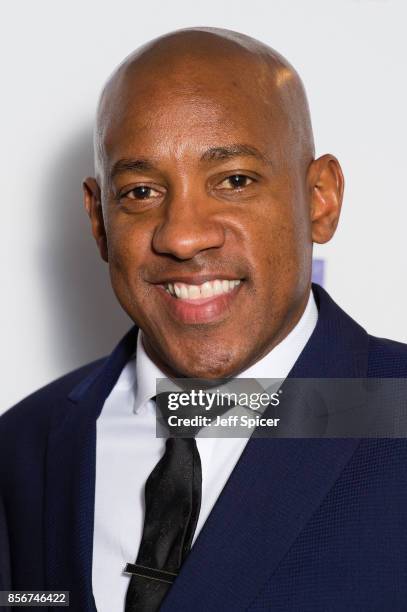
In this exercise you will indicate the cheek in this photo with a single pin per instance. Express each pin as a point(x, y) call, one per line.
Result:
point(279, 248)
point(128, 247)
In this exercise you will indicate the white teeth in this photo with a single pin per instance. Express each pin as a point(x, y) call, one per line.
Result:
point(207, 289)
point(217, 287)
point(193, 292)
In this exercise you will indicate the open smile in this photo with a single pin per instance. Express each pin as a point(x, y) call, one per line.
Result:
point(203, 302)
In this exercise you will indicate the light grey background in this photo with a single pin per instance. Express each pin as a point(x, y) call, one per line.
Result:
point(58, 311)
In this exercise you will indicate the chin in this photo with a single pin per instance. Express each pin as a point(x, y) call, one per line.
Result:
point(218, 366)
point(205, 374)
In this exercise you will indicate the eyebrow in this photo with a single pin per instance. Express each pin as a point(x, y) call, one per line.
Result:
point(212, 154)
point(231, 151)
point(130, 165)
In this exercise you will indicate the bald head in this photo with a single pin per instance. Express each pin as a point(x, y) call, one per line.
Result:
point(196, 62)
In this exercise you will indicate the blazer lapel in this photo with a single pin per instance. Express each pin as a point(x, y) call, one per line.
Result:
point(275, 487)
point(70, 480)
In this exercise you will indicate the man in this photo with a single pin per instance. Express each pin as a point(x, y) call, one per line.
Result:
point(206, 202)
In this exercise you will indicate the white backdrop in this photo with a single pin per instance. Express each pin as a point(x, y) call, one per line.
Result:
point(58, 310)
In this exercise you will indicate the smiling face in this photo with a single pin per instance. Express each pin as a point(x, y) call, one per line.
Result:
point(207, 212)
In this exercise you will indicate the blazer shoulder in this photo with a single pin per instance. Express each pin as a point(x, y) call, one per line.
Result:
point(387, 358)
point(38, 404)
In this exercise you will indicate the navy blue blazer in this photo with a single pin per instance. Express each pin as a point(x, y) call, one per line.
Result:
point(302, 524)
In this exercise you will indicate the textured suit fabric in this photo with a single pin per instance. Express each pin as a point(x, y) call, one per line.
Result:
point(302, 524)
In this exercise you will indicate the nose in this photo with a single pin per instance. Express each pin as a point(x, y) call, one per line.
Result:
point(189, 226)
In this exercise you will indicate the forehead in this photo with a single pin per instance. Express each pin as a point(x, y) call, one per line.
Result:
point(189, 109)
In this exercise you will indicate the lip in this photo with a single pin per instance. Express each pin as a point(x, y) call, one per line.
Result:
point(194, 279)
point(202, 310)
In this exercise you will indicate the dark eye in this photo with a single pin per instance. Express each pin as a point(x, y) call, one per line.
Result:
point(235, 182)
point(142, 192)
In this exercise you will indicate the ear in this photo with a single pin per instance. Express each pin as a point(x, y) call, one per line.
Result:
point(326, 183)
point(93, 206)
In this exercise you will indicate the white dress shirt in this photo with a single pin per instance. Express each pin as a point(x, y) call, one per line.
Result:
point(127, 450)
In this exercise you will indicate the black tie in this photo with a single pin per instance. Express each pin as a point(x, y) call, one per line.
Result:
point(172, 504)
